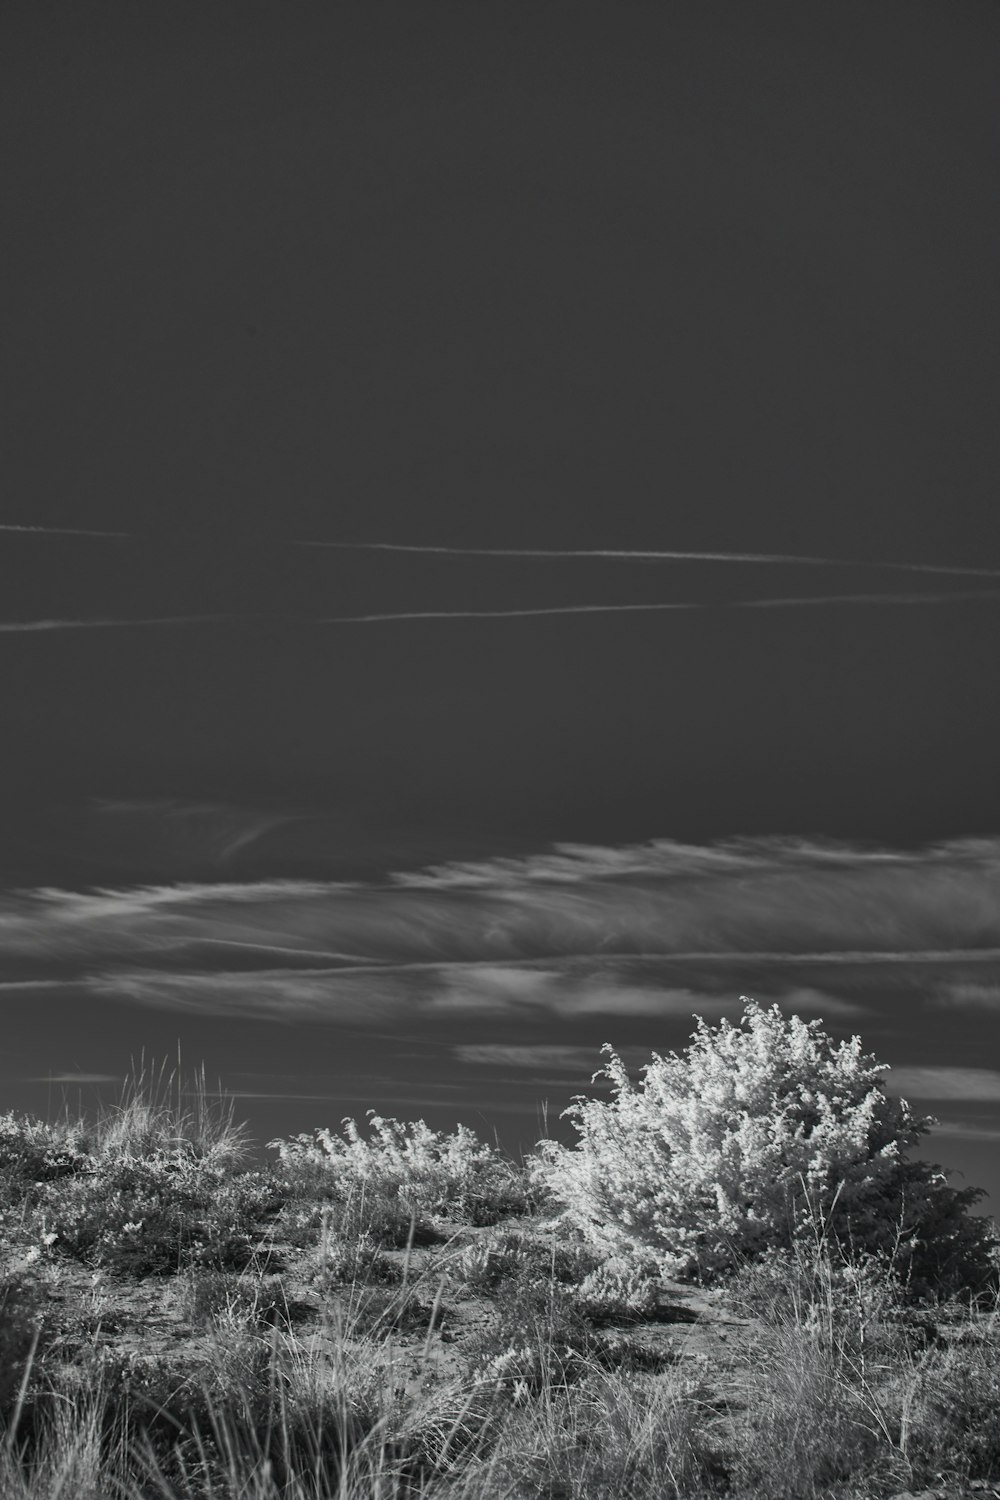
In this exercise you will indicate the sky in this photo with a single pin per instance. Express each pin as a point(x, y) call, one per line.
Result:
point(499, 548)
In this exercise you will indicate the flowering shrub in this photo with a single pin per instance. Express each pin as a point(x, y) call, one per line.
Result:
point(33, 1151)
point(152, 1215)
point(454, 1175)
point(747, 1140)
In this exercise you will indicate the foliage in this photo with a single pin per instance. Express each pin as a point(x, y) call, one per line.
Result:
point(491, 1259)
point(229, 1300)
point(619, 1290)
point(536, 1335)
point(948, 1412)
point(511, 1254)
point(738, 1146)
point(848, 1383)
point(343, 1261)
point(610, 1435)
point(154, 1215)
point(426, 1171)
point(21, 1331)
point(34, 1151)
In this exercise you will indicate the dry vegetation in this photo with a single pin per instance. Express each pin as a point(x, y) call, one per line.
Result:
point(401, 1314)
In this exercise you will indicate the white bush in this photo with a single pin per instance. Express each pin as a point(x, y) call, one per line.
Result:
point(750, 1138)
point(431, 1172)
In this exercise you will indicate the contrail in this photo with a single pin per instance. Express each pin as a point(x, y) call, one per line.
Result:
point(865, 599)
point(501, 614)
point(644, 555)
point(58, 530)
point(593, 609)
point(18, 627)
point(355, 959)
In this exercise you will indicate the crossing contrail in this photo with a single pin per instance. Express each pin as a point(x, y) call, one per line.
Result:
point(58, 530)
point(596, 609)
point(644, 555)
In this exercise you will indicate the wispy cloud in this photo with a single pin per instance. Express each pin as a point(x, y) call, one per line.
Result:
point(967, 993)
point(802, 602)
point(538, 1056)
point(433, 992)
point(58, 530)
point(750, 898)
point(618, 554)
point(285, 950)
point(564, 993)
point(551, 1057)
point(29, 984)
point(275, 994)
point(29, 627)
point(79, 1078)
point(171, 827)
point(980, 1084)
point(280, 1095)
point(967, 1131)
point(660, 931)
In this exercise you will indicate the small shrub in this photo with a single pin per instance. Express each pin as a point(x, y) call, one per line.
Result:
point(224, 1299)
point(848, 1299)
point(32, 1151)
point(807, 1426)
point(492, 1259)
point(428, 1172)
point(344, 1262)
point(506, 1255)
point(154, 1216)
point(536, 1336)
point(363, 1311)
point(619, 1291)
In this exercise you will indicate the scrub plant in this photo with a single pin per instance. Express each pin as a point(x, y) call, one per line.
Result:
point(154, 1215)
point(425, 1172)
point(729, 1149)
point(151, 1186)
point(33, 1151)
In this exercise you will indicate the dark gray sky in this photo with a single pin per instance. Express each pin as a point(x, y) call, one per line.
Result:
point(692, 278)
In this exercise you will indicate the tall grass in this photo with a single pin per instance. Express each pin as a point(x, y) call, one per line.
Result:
point(162, 1111)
